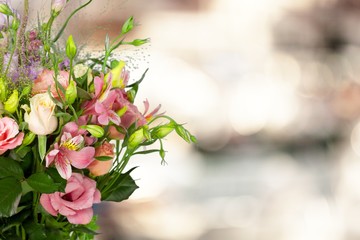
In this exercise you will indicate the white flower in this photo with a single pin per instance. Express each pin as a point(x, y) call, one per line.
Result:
point(80, 70)
point(41, 118)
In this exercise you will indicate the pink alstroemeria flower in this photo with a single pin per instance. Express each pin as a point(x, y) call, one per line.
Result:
point(70, 152)
point(101, 106)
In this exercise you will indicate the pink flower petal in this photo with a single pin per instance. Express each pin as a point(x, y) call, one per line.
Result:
point(98, 84)
point(83, 216)
point(45, 202)
point(50, 157)
point(97, 196)
point(103, 119)
point(59, 204)
point(82, 158)
point(63, 166)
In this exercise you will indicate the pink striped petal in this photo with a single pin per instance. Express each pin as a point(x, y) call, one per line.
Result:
point(63, 166)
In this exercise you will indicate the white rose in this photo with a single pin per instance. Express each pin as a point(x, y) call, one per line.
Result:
point(41, 118)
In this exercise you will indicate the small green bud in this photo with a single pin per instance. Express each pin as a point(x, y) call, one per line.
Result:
point(131, 95)
point(29, 138)
point(163, 131)
point(26, 91)
point(3, 90)
point(46, 47)
point(139, 42)
point(12, 103)
point(15, 23)
point(71, 92)
point(5, 9)
point(162, 154)
point(147, 134)
point(136, 138)
point(122, 111)
point(94, 130)
point(128, 25)
point(70, 47)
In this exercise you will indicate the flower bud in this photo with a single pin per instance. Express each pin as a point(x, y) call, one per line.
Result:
point(71, 92)
point(26, 91)
point(163, 131)
point(12, 103)
point(5, 9)
point(128, 25)
point(15, 24)
point(136, 138)
point(94, 130)
point(3, 90)
point(70, 47)
point(29, 138)
point(139, 42)
point(98, 168)
point(57, 6)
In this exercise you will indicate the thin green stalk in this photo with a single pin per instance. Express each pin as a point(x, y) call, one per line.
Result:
point(10, 59)
point(23, 233)
point(68, 19)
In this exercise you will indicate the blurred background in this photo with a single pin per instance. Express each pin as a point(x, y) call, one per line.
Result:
point(271, 90)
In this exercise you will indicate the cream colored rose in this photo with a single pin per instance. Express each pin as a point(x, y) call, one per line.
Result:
point(41, 117)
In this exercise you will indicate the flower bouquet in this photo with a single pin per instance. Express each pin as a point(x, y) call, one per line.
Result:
point(68, 128)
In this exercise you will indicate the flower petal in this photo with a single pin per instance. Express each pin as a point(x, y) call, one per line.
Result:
point(63, 166)
point(46, 204)
point(83, 216)
point(82, 158)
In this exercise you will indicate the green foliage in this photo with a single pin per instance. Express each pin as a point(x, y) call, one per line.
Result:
point(10, 192)
point(42, 182)
point(123, 187)
point(10, 168)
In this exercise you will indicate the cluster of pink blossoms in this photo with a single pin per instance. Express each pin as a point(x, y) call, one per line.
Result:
point(75, 147)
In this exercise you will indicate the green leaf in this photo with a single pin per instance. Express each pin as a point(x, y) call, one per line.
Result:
point(35, 231)
point(42, 146)
point(42, 183)
point(10, 168)
point(83, 94)
point(10, 192)
point(103, 158)
point(59, 181)
point(84, 229)
point(123, 188)
point(22, 151)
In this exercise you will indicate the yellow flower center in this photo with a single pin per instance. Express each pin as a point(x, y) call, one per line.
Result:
point(70, 145)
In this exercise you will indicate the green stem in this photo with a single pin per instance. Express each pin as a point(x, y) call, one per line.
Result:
point(23, 233)
point(107, 54)
point(10, 59)
point(68, 19)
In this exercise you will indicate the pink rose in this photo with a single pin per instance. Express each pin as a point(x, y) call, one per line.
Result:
point(77, 201)
point(46, 79)
point(98, 168)
point(10, 137)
